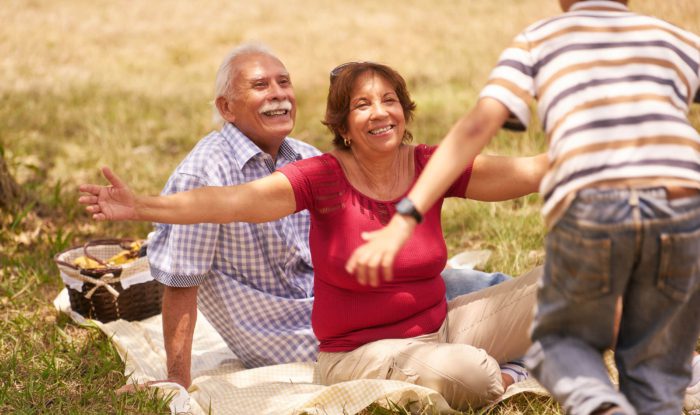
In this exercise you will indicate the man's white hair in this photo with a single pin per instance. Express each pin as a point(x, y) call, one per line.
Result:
point(225, 74)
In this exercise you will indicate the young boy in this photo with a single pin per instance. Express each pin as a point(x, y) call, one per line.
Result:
point(621, 200)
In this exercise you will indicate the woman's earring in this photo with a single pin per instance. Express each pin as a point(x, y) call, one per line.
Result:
point(346, 142)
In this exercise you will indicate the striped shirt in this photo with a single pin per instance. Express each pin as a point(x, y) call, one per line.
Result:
point(255, 280)
point(613, 90)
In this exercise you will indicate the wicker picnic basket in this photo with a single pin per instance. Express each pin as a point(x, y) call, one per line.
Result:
point(109, 292)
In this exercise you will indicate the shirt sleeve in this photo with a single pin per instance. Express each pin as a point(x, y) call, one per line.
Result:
point(459, 187)
point(512, 83)
point(182, 255)
point(696, 99)
point(295, 173)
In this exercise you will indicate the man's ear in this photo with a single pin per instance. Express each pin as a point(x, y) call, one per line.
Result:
point(223, 105)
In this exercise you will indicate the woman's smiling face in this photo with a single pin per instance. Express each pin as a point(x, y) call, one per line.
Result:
point(376, 121)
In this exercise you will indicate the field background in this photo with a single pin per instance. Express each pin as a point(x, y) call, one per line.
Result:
point(129, 84)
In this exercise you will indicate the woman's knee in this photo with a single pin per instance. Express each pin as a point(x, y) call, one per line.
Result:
point(467, 377)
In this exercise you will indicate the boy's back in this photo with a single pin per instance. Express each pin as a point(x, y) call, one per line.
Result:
point(613, 90)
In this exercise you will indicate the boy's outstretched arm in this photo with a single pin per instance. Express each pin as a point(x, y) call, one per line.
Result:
point(461, 145)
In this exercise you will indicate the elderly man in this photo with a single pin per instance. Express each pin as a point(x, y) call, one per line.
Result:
point(254, 281)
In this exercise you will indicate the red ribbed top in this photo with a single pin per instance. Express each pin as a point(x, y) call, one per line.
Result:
point(347, 315)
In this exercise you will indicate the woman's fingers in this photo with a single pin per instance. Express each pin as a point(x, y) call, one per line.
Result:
point(93, 189)
point(87, 200)
point(112, 177)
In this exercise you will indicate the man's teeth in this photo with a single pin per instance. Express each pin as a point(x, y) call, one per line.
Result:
point(380, 130)
point(275, 112)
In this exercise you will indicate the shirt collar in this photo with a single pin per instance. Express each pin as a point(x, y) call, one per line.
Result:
point(599, 5)
point(245, 149)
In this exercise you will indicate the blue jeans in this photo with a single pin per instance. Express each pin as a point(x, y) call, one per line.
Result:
point(627, 243)
point(464, 281)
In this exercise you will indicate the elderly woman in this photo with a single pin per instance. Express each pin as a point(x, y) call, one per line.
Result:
point(403, 328)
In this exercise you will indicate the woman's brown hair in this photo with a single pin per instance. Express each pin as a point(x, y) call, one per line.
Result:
point(343, 80)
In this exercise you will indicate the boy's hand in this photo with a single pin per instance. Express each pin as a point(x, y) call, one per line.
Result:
point(377, 254)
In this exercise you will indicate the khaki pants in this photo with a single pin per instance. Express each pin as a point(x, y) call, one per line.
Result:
point(461, 360)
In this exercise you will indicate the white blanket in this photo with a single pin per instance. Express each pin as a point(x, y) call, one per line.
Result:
point(221, 384)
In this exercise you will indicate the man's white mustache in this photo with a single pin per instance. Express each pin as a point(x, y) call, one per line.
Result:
point(276, 105)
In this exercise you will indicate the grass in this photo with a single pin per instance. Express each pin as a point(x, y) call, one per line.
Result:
point(86, 83)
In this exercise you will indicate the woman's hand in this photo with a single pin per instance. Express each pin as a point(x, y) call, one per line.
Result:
point(114, 202)
point(378, 253)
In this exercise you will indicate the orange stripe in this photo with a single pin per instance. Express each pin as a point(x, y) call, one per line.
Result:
point(626, 143)
point(515, 89)
point(592, 29)
point(607, 63)
point(521, 45)
point(600, 9)
point(608, 101)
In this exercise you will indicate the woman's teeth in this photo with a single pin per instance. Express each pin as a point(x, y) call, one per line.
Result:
point(380, 130)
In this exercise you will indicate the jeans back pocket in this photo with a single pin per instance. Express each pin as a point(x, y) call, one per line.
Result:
point(679, 265)
point(579, 266)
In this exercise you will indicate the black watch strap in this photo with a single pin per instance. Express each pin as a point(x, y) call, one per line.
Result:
point(406, 208)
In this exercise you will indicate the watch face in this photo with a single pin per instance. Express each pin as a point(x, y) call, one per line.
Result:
point(406, 208)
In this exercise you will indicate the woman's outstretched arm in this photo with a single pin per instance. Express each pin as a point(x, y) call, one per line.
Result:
point(262, 200)
point(498, 178)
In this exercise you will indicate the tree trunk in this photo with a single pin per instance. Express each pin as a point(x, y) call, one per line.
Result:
point(11, 194)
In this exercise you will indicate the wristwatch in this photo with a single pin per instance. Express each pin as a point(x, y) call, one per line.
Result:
point(406, 208)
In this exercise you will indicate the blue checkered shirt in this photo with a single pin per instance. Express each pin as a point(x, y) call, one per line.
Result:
point(255, 280)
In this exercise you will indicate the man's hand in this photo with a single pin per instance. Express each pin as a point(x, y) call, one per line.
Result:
point(178, 395)
point(378, 253)
point(134, 387)
point(114, 202)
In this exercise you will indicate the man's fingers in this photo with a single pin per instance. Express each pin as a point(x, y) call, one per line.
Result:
point(131, 388)
point(112, 177)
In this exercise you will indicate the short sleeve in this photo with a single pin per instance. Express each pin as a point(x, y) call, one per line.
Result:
point(696, 99)
point(459, 187)
point(512, 83)
point(303, 194)
point(182, 255)
point(317, 184)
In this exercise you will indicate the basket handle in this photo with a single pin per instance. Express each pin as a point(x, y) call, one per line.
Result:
point(120, 242)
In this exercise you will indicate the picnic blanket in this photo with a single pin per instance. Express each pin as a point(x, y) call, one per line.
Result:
point(221, 385)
